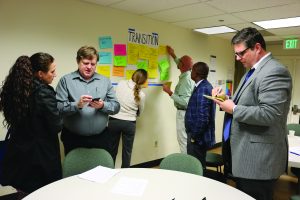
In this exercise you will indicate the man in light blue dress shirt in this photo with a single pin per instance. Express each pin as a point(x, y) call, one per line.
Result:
point(85, 99)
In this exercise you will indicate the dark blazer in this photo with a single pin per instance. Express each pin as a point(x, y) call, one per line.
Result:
point(258, 132)
point(32, 159)
point(200, 116)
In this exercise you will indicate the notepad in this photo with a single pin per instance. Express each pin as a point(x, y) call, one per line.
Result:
point(99, 174)
point(169, 83)
point(212, 98)
point(130, 186)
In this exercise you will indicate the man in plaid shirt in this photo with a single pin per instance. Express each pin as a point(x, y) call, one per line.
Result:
point(200, 115)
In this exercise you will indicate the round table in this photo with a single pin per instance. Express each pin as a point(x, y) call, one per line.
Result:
point(161, 185)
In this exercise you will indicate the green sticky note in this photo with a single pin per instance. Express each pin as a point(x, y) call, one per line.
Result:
point(142, 65)
point(120, 61)
point(164, 65)
point(164, 75)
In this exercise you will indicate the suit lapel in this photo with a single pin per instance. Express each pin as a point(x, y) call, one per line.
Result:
point(258, 68)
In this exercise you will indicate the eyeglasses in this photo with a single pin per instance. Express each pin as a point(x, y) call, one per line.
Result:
point(241, 53)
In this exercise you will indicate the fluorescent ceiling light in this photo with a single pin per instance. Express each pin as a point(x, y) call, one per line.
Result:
point(279, 23)
point(215, 30)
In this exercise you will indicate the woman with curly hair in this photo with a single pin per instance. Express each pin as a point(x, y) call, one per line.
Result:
point(132, 101)
point(29, 106)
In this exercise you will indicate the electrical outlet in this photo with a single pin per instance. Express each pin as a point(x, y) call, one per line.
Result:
point(155, 143)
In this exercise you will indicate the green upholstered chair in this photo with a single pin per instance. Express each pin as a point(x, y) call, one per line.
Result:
point(295, 197)
point(294, 127)
point(183, 163)
point(294, 170)
point(83, 159)
point(214, 160)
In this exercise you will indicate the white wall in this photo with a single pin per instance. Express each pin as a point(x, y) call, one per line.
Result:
point(61, 27)
point(291, 59)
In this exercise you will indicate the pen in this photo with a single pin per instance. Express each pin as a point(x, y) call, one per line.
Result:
point(218, 91)
point(295, 153)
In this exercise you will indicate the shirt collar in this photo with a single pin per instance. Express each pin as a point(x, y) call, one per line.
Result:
point(78, 76)
point(187, 73)
point(264, 57)
point(196, 85)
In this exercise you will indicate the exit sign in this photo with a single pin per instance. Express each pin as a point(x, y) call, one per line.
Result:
point(291, 44)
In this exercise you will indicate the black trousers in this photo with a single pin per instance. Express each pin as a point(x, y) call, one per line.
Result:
point(258, 189)
point(126, 129)
point(197, 151)
point(226, 154)
point(72, 140)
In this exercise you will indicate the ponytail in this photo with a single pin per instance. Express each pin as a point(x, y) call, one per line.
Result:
point(139, 77)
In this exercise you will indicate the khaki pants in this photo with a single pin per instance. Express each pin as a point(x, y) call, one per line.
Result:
point(181, 134)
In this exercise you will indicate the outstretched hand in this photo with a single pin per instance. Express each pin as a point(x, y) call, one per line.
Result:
point(167, 89)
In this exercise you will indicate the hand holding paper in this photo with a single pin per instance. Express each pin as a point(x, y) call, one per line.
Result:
point(169, 83)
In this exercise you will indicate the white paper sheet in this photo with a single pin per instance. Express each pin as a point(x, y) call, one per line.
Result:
point(99, 174)
point(295, 150)
point(130, 186)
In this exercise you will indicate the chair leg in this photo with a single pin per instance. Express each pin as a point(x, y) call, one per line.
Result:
point(298, 185)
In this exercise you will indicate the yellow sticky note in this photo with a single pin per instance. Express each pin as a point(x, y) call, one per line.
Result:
point(129, 74)
point(104, 70)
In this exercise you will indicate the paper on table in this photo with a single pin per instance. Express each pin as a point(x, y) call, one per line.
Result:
point(295, 150)
point(99, 174)
point(130, 186)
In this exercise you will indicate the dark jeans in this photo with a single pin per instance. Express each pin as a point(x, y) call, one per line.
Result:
point(116, 128)
point(258, 189)
point(197, 151)
point(72, 140)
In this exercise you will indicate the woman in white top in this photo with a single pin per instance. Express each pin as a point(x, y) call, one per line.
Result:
point(132, 101)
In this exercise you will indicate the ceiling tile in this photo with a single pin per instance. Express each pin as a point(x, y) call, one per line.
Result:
point(244, 5)
point(104, 2)
point(245, 25)
point(147, 6)
point(279, 12)
point(186, 12)
point(210, 21)
point(289, 32)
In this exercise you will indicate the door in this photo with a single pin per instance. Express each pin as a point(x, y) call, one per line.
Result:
point(293, 64)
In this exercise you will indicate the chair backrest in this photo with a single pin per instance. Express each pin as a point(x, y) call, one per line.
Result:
point(295, 127)
point(83, 159)
point(183, 163)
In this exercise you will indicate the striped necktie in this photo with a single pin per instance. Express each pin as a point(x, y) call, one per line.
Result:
point(228, 117)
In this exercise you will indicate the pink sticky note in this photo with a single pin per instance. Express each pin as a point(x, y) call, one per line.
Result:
point(120, 49)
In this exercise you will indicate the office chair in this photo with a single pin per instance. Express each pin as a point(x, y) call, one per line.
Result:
point(83, 159)
point(214, 160)
point(183, 163)
point(295, 197)
point(294, 170)
point(294, 127)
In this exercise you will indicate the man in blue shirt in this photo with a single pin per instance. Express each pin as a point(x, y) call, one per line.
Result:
point(85, 99)
point(200, 115)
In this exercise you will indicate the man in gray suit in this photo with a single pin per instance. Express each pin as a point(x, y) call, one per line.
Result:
point(256, 117)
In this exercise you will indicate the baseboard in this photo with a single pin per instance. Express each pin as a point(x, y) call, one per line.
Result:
point(155, 163)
